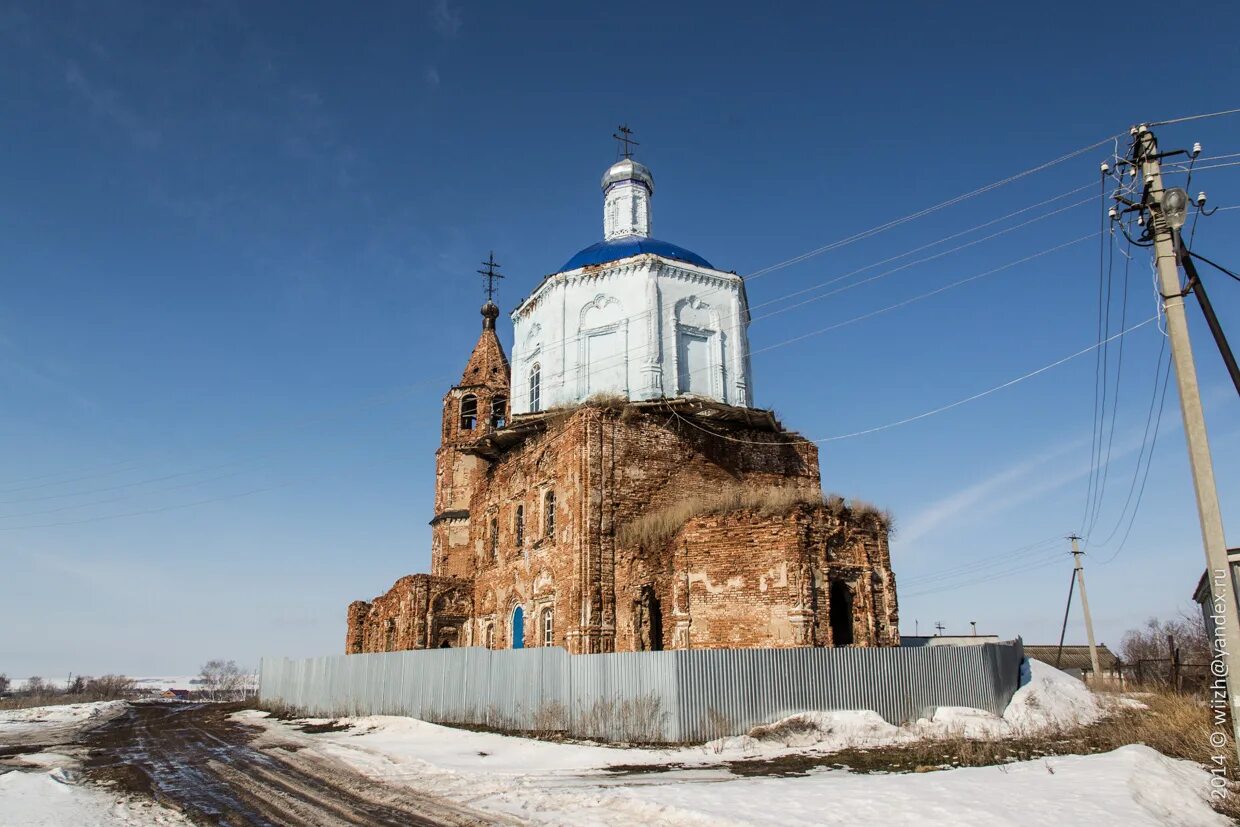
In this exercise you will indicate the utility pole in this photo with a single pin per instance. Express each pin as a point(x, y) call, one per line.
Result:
point(1089, 621)
point(1146, 157)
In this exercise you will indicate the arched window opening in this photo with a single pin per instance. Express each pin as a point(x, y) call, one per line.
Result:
point(548, 627)
point(841, 614)
point(549, 514)
point(488, 636)
point(518, 526)
point(536, 388)
point(469, 412)
point(499, 412)
point(494, 538)
point(518, 628)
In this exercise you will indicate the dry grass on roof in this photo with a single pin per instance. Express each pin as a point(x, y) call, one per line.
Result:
point(656, 528)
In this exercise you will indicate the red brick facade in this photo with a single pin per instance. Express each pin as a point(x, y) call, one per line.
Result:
point(530, 517)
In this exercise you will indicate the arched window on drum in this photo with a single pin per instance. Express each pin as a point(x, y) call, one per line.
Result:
point(536, 388)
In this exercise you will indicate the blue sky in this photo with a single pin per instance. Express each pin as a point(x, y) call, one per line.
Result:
point(237, 254)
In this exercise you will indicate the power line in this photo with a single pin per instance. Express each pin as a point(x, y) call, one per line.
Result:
point(907, 265)
point(1195, 117)
point(1100, 493)
point(1149, 460)
point(935, 411)
point(927, 211)
point(1022, 569)
point(934, 243)
point(1003, 559)
point(926, 295)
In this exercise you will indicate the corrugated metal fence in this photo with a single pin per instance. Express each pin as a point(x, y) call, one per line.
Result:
point(645, 696)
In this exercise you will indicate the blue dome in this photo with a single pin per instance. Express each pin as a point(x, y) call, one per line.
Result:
point(606, 251)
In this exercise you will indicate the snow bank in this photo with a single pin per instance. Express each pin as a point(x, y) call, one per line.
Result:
point(1134, 786)
point(548, 783)
point(54, 724)
point(49, 799)
point(1050, 699)
point(1047, 699)
point(61, 714)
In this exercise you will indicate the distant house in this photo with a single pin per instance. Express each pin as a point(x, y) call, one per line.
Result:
point(178, 694)
point(1075, 659)
point(1202, 594)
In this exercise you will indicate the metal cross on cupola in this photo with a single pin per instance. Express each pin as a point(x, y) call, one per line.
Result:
point(490, 275)
point(626, 141)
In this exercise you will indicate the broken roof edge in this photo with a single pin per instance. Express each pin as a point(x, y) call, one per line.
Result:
point(524, 426)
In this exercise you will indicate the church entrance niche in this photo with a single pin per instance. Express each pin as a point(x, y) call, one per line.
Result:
point(841, 614)
point(647, 622)
point(518, 628)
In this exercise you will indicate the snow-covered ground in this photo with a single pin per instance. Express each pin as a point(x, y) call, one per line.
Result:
point(40, 788)
point(54, 724)
point(49, 798)
point(557, 783)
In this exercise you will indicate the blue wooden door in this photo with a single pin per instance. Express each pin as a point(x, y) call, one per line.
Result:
point(518, 628)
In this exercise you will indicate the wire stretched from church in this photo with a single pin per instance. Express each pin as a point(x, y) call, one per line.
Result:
point(927, 211)
point(942, 408)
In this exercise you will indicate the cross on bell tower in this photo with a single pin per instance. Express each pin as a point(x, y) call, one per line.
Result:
point(490, 275)
point(626, 141)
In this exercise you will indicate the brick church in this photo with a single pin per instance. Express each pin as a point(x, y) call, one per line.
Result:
point(613, 489)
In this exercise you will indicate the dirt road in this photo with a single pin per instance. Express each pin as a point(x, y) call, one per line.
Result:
point(194, 758)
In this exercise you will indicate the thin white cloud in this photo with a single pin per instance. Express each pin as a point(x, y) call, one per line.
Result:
point(446, 19)
point(106, 103)
point(970, 500)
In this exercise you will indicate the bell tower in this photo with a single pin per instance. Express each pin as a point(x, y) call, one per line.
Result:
point(474, 407)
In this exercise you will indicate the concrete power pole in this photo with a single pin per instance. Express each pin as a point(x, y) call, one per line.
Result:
point(1146, 157)
point(1089, 621)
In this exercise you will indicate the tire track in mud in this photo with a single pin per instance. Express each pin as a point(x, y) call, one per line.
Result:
point(194, 758)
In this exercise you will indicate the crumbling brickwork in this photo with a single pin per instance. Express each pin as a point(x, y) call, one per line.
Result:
point(533, 539)
point(420, 611)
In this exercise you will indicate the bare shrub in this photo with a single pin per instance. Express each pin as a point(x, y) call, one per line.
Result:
point(109, 687)
point(35, 686)
point(785, 731)
point(4, 683)
point(223, 680)
point(716, 725)
point(551, 717)
point(656, 528)
point(636, 721)
point(1188, 631)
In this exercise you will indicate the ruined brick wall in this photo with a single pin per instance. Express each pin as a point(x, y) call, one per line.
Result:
point(743, 579)
point(738, 579)
point(605, 466)
point(420, 611)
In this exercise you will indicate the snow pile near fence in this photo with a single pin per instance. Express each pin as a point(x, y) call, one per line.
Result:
point(1050, 699)
point(1047, 700)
